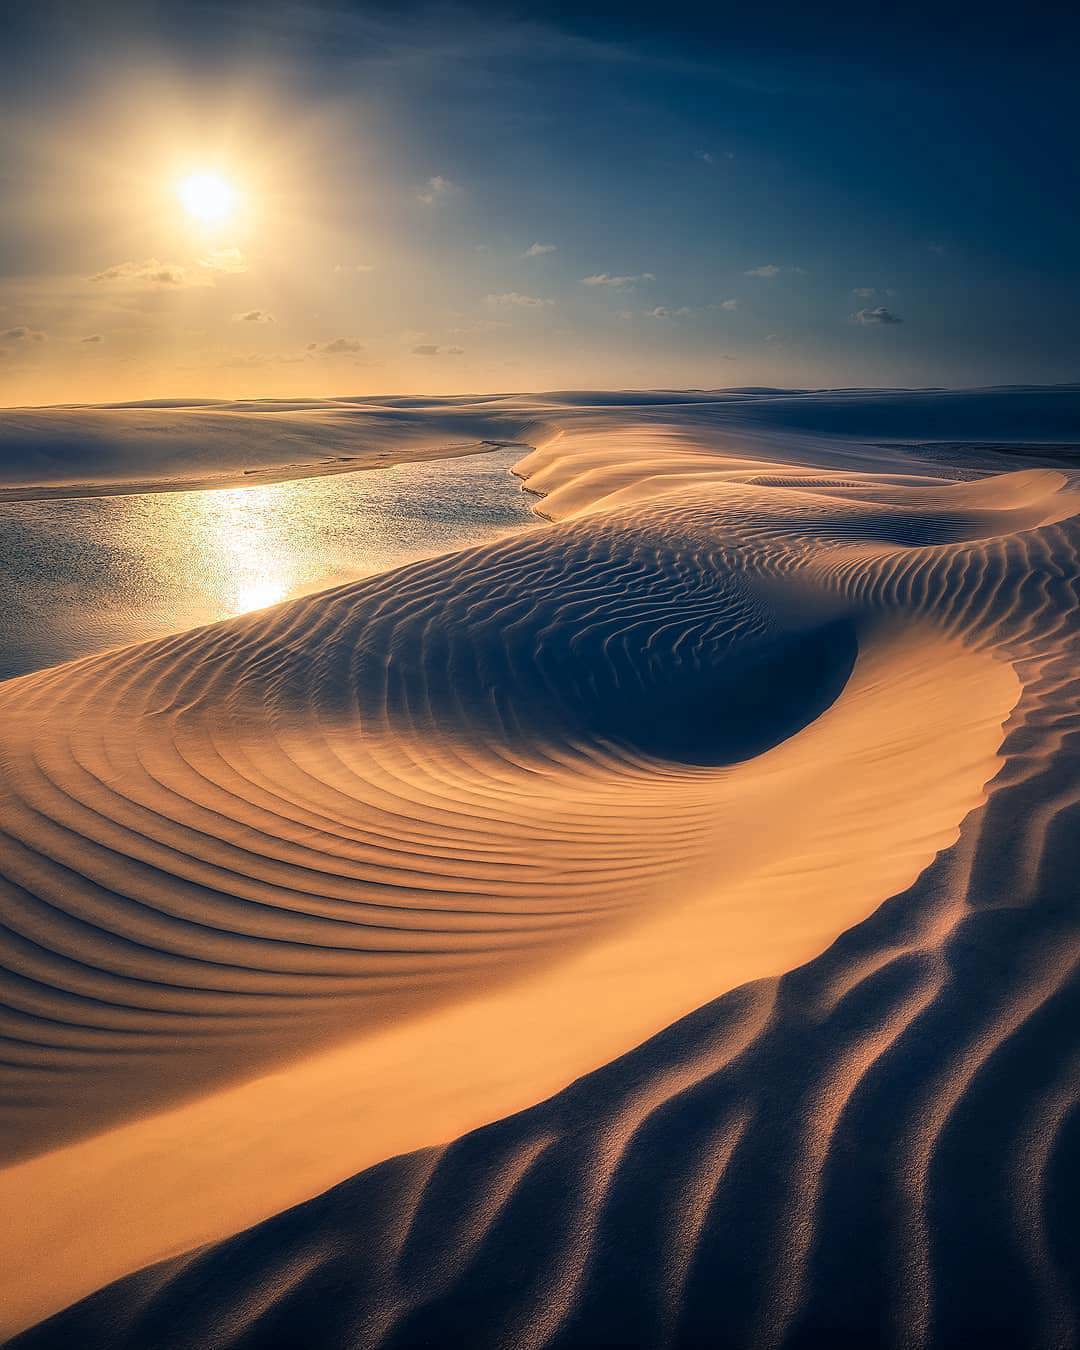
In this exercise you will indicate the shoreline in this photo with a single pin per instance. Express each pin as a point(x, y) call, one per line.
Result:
point(242, 478)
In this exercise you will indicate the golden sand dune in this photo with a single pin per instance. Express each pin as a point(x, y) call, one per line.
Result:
point(295, 893)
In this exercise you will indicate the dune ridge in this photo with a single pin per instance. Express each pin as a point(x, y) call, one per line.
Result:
point(353, 876)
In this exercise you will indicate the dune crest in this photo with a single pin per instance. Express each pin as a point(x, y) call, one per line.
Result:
point(355, 875)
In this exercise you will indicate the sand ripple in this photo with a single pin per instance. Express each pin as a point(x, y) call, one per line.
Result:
point(685, 738)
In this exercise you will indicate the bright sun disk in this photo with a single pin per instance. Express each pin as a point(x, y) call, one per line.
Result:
point(206, 196)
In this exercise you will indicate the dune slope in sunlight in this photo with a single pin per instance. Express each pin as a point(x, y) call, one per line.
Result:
point(620, 801)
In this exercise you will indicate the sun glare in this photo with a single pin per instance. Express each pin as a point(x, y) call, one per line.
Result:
point(206, 196)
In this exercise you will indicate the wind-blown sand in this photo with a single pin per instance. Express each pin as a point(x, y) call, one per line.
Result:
point(352, 877)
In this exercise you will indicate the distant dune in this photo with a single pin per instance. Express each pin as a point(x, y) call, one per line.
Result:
point(656, 928)
point(170, 446)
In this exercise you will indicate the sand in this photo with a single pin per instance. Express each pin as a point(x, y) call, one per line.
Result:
point(699, 863)
point(181, 446)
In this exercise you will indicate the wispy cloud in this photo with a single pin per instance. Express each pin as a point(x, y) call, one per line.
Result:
point(765, 270)
point(94, 337)
point(729, 304)
point(666, 312)
point(714, 157)
point(877, 315)
point(224, 260)
point(358, 268)
point(429, 349)
point(607, 279)
point(20, 333)
point(342, 346)
point(516, 298)
point(435, 190)
point(254, 316)
point(538, 250)
point(152, 272)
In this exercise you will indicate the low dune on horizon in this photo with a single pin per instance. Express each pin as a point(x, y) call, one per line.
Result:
point(654, 927)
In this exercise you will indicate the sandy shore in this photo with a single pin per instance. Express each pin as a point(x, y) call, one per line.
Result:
point(696, 862)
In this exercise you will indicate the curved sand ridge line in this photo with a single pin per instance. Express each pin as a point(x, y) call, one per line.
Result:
point(543, 797)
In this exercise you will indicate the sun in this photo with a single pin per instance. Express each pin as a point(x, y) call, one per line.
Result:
point(206, 196)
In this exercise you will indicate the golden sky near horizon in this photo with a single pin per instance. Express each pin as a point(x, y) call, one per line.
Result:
point(450, 201)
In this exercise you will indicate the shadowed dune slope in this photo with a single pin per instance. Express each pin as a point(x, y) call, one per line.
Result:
point(425, 849)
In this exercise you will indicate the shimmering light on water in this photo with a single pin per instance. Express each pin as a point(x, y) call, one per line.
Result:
point(82, 574)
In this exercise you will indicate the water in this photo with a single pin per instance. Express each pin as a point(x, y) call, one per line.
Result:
point(83, 574)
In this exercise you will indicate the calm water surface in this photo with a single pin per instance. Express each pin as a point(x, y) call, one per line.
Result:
point(83, 574)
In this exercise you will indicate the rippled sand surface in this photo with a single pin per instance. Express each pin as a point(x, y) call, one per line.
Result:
point(656, 927)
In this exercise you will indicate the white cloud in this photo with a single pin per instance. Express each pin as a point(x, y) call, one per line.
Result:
point(878, 315)
point(254, 316)
point(666, 312)
point(435, 189)
point(606, 279)
point(20, 333)
point(516, 298)
point(765, 270)
point(538, 250)
point(729, 304)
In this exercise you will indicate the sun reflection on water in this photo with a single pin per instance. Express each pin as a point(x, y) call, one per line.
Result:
point(250, 554)
point(82, 574)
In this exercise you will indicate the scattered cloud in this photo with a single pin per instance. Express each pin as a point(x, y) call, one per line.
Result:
point(877, 315)
point(606, 279)
point(765, 270)
point(428, 349)
point(20, 333)
point(254, 316)
point(516, 298)
point(224, 260)
point(538, 250)
point(94, 337)
point(711, 157)
point(341, 346)
point(435, 189)
point(729, 304)
point(151, 271)
point(666, 312)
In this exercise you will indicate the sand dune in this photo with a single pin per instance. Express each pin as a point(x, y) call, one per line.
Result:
point(170, 446)
point(293, 894)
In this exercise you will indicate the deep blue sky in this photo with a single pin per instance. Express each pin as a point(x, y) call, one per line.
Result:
point(791, 197)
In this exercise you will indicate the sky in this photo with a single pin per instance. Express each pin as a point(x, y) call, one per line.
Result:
point(432, 199)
